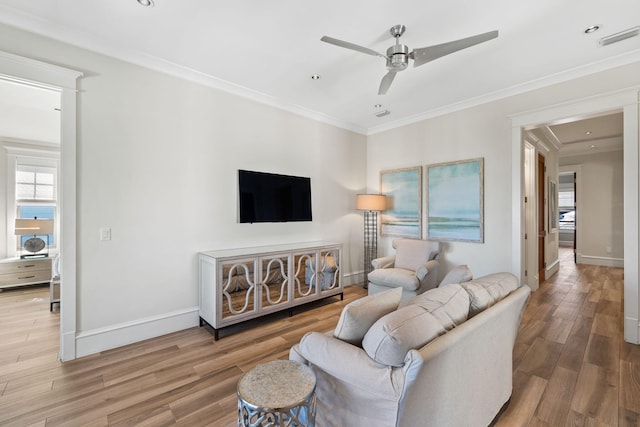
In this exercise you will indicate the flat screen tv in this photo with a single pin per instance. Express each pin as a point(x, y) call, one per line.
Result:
point(268, 197)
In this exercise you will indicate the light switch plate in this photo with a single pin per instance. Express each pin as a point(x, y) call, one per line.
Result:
point(105, 233)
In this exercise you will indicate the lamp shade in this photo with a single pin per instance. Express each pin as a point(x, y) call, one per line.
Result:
point(33, 226)
point(371, 202)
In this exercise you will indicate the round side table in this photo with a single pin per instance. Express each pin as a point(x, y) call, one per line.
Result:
point(277, 393)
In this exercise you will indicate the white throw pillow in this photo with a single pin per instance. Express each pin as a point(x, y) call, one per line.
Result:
point(459, 274)
point(358, 316)
point(412, 326)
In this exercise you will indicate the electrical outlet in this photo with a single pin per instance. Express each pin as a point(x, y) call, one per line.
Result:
point(105, 233)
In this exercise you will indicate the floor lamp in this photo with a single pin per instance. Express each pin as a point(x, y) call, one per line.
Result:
point(371, 204)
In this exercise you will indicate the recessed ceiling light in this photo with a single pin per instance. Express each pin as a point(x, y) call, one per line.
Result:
point(315, 77)
point(146, 3)
point(593, 146)
point(377, 106)
point(588, 132)
point(592, 29)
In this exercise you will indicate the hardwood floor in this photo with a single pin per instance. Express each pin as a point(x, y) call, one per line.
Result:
point(571, 366)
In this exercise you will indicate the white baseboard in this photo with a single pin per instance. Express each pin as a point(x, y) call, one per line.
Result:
point(631, 330)
point(603, 261)
point(101, 339)
point(353, 278)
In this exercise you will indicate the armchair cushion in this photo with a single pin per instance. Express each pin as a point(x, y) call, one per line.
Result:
point(394, 277)
point(359, 315)
point(412, 326)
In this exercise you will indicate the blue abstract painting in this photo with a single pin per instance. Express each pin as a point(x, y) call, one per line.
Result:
point(403, 216)
point(455, 201)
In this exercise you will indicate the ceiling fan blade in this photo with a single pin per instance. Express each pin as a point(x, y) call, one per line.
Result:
point(386, 82)
point(351, 46)
point(426, 54)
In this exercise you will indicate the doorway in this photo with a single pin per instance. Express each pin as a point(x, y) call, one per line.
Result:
point(619, 101)
point(542, 232)
point(568, 211)
point(16, 68)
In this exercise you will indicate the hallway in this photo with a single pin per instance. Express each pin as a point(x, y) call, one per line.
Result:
point(571, 364)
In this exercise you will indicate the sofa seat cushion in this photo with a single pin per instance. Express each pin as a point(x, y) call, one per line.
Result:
point(415, 324)
point(359, 315)
point(394, 277)
point(487, 290)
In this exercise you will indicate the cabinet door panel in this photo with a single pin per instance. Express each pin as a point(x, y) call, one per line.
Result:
point(238, 287)
point(274, 281)
point(304, 278)
point(329, 269)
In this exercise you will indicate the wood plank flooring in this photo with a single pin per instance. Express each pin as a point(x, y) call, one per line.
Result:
point(571, 366)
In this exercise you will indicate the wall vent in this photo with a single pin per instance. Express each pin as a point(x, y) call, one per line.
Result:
point(618, 37)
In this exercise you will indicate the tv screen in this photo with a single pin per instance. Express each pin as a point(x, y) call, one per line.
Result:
point(268, 197)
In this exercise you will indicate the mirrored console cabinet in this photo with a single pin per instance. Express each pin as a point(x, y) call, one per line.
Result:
point(242, 284)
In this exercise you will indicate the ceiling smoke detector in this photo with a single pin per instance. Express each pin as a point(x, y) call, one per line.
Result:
point(618, 37)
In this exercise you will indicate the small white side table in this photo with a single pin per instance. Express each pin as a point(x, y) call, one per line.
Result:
point(277, 393)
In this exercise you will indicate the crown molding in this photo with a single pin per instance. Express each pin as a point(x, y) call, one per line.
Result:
point(91, 43)
point(574, 73)
point(85, 41)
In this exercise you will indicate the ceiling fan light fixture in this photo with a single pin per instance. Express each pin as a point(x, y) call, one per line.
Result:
point(145, 3)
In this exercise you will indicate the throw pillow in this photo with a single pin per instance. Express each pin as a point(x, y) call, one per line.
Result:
point(429, 315)
point(459, 274)
point(358, 316)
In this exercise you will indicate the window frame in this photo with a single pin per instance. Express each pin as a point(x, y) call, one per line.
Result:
point(24, 153)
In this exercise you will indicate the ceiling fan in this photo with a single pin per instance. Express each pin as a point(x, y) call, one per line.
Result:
point(398, 55)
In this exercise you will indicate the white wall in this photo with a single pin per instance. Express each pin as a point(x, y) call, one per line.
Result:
point(482, 131)
point(462, 135)
point(157, 162)
point(601, 207)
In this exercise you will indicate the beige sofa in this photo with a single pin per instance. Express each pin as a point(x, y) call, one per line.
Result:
point(443, 358)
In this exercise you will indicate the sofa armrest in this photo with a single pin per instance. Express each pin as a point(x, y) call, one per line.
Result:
point(384, 262)
point(349, 364)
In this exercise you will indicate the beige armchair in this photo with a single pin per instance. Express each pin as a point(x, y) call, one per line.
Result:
point(414, 268)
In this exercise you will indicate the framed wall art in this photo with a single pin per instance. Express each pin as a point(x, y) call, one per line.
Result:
point(455, 201)
point(403, 188)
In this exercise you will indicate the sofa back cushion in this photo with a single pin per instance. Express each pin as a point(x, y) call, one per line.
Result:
point(411, 254)
point(459, 274)
point(488, 290)
point(412, 326)
point(358, 316)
